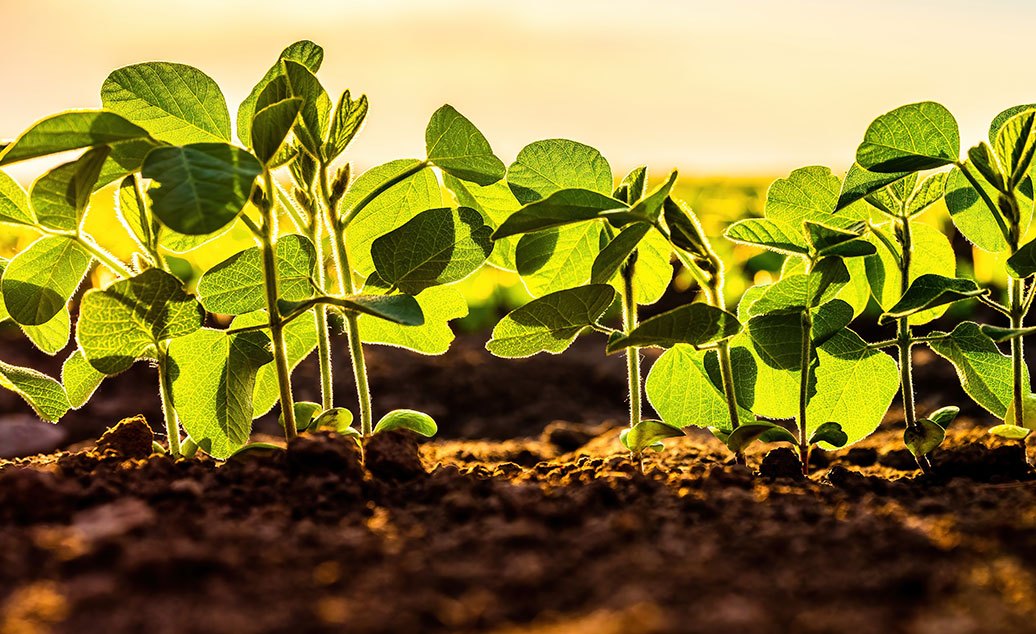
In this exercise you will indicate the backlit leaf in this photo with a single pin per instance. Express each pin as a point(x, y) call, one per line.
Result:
point(550, 323)
point(696, 324)
point(235, 285)
point(544, 167)
point(456, 146)
point(71, 131)
point(911, 138)
point(984, 372)
point(39, 281)
point(43, 394)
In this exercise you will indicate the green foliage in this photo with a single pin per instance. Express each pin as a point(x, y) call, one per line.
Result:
point(235, 285)
point(80, 379)
point(911, 138)
point(931, 254)
point(922, 439)
point(683, 391)
point(72, 131)
point(303, 52)
point(43, 394)
point(647, 434)
point(984, 372)
point(417, 422)
point(550, 323)
point(928, 291)
point(456, 146)
point(694, 324)
point(39, 281)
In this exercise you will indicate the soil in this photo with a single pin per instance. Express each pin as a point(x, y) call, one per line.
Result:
point(551, 530)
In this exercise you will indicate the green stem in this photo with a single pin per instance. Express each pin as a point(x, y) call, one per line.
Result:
point(271, 283)
point(104, 257)
point(905, 341)
point(172, 426)
point(316, 234)
point(1016, 292)
point(363, 392)
point(381, 189)
point(629, 322)
point(804, 364)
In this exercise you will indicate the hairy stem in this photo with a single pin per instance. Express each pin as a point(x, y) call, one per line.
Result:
point(271, 283)
point(172, 426)
point(804, 365)
point(629, 322)
point(105, 258)
point(1016, 291)
point(905, 341)
point(316, 234)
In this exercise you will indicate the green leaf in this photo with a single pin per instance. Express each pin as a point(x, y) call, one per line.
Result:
point(417, 422)
point(696, 324)
point(337, 419)
point(51, 337)
point(438, 246)
point(495, 202)
point(1023, 263)
point(125, 158)
point(927, 193)
point(60, 197)
point(563, 207)
point(305, 415)
point(39, 281)
point(842, 243)
point(176, 103)
point(985, 373)
point(439, 304)
point(1000, 335)
point(653, 269)
point(859, 183)
point(1028, 411)
point(633, 186)
point(235, 285)
point(43, 394)
point(212, 378)
point(300, 339)
point(944, 416)
point(801, 291)
point(130, 318)
point(296, 80)
point(557, 259)
point(829, 319)
point(611, 258)
point(680, 390)
point(395, 206)
point(79, 379)
point(970, 214)
point(685, 229)
point(398, 309)
point(911, 138)
point(746, 434)
point(548, 166)
point(808, 194)
point(550, 323)
point(304, 52)
point(768, 234)
point(931, 290)
point(346, 122)
point(200, 188)
point(830, 433)
point(650, 206)
point(1011, 432)
point(1015, 144)
point(14, 202)
point(271, 126)
point(924, 438)
point(932, 254)
point(71, 131)
point(132, 212)
point(646, 434)
point(455, 146)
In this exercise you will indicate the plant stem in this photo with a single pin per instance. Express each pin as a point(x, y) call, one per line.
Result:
point(629, 322)
point(172, 426)
point(1016, 290)
point(904, 340)
point(105, 258)
point(316, 234)
point(804, 363)
point(343, 271)
point(271, 283)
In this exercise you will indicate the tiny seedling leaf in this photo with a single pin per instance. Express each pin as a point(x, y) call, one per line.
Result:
point(306, 413)
point(417, 422)
point(337, 419)
point(647, 434)
point(924, 438)
point(944, 416)
point(550, 323)
point(830, 433)
point(747, 433)
point(1028, 412)
point(1011, 432)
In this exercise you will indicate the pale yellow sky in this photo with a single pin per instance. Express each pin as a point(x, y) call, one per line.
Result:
point(732, 87)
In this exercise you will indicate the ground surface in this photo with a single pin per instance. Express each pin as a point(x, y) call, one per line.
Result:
point(551, 531)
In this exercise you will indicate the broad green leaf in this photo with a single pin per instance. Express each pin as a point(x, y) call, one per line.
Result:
point(1023, 263)
point(417, 422)
point(300, 339)
point(398, 309)
point(970, 214)
point(437, 246)
point(829, 319)
point(315, 116)
point(1000, 119)
point(927, 193)
point(559, 258)
point(59, 198)
point(130, 318)
point(176, 242)
point(271, 126)
point(440, 305)
point(1011, 432)
point(859, 184)
point(931, 290)
point(80, 379)
point(51, 337)
point(200, 188)
point(495, 202)
point(932, 254)
point(1015, 144)
point(830, 433)
point(71, 131)
point(348, 117)
point(697, 324)
point(235, 285)
point(176, 103)
point(212, 379)
point(647, 434)
point(563, 207)
point(653, 270)
point(399, 203)
point(1000, 334)
point(767, 358)
point(680, 390)
point(43, 394)
point(14, 202)
point(924, 438)
point(842, 243)
point(304, 52)
point(854, 387)
point(611, 258)
point(800, 291)
point(685, 230)
point(768, 234)
point(550, 323)
point(456, 147)
point(132, 212)
point(39, 281)
point(544, 167)
point(911, 138)
point(739, 439)
point(808, 193)
point(650, 206)
point(984, 372)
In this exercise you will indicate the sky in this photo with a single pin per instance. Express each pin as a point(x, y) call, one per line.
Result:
point(715, 88)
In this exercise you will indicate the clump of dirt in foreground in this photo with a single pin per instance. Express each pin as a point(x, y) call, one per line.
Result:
point(517, 537)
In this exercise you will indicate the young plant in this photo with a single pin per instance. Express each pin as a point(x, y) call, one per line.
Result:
point(797, 357)
point(575, 229)
point(989, 195)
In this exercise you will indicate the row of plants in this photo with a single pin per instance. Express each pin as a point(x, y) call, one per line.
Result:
point(376, 258)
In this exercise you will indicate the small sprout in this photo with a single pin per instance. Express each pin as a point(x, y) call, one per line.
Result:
point(647, 434)
point(255, 449)
point(1010, 431)
point(831, 433)
point(1028, 412)
point(306, 415)
point(944, 416)
point(338, 419)
point(417, 422)
point(923, 437)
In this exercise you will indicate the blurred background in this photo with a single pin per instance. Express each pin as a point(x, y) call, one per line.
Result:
point(732, 93)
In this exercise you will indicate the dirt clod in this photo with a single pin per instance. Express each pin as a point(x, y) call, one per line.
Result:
point(393, 455)
point(130, 438)
point(781, 462)
point(325, 452)
point(861, 456)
